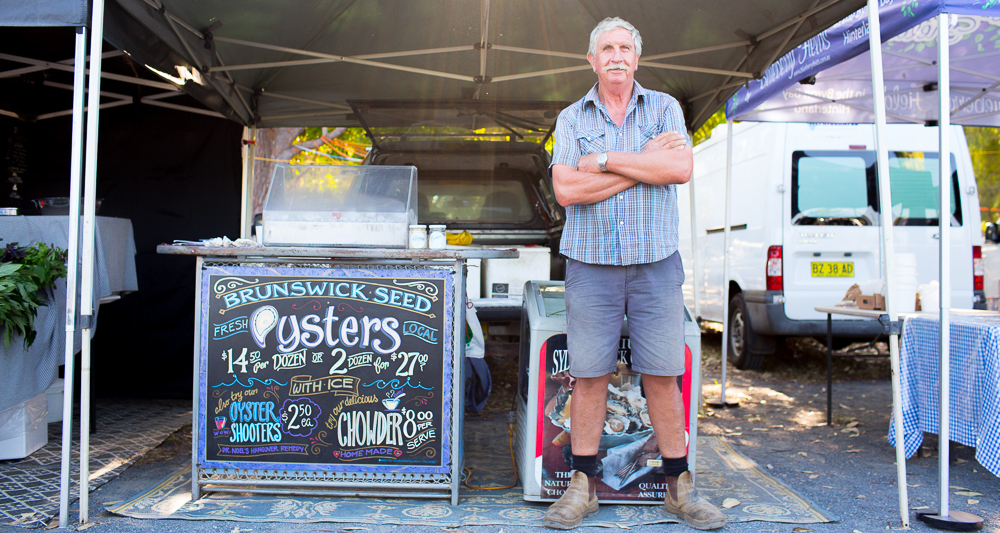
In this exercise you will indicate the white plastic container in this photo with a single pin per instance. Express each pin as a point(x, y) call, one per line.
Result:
point(906, 282)
point(930, 296)
point(436, 238)
point(418, 236)
point(54, 395)
point(504, 278)
point(340, 205)
point(23, 428)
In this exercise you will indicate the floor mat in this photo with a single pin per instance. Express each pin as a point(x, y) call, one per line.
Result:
point(722, 473)
point(29, 487)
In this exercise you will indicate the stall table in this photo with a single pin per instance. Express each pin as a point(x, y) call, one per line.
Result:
point(334, 371)
point(974, 390)
point(28, 372)
point(887, 327)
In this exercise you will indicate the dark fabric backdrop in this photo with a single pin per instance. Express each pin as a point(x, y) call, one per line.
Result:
point(175, 175)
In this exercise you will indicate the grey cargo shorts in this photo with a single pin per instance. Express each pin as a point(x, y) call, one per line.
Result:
point(598, 297)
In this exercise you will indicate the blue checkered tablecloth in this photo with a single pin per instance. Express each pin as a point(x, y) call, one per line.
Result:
point(974, 392)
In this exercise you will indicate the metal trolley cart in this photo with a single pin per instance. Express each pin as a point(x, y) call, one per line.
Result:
point(545, 392)
point(330, 361)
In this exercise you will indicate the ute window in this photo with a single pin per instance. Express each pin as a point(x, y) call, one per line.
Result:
point(473, 201)
point(837, 188)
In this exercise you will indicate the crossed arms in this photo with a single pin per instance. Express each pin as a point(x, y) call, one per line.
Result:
point(666, 159)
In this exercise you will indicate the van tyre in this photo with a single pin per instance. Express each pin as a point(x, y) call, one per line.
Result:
point(739, 336)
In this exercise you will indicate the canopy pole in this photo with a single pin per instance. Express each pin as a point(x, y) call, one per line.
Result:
point(944, 229)
point(721, 401)
point(87, 277)
point(695, 274)
point(945, 518)
point(695, 361)
point(888, 258)
point(249, 163)
point(72, 271)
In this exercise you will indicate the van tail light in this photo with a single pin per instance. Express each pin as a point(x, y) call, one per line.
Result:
point(977, 268)
point(774, 282)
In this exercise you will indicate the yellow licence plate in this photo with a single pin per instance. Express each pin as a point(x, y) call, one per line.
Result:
point(833, 270)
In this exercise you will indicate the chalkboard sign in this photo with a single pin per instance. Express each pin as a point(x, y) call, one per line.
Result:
point(329, 369)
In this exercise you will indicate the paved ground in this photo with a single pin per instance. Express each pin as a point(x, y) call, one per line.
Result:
point(847, 469)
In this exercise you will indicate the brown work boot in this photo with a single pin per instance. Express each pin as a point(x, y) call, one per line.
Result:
point(573, 506)
point(695, 510)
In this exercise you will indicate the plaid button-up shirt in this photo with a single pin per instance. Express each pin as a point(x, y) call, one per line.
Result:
point(638, 225)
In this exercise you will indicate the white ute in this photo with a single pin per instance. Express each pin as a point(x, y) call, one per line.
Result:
point(804, 226)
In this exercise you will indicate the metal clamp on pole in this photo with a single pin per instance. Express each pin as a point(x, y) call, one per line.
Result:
point(890, 327)
point(86, 321)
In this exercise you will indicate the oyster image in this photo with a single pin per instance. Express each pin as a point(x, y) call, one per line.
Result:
point(627, 417)
point(616, 424)
point(560, 413)
point(616, 407)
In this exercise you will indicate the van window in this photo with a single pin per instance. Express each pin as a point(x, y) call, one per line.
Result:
point(837, 188)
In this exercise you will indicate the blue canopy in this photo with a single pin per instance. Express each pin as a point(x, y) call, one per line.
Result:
point(828, 78)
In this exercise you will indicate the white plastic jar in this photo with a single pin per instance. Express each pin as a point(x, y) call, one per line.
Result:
point(437, 239)
point(418, 236)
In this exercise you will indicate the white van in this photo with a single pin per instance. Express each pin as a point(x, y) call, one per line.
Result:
point(804, 226)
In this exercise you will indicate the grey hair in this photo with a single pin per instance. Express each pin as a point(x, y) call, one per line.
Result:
point(609, 24)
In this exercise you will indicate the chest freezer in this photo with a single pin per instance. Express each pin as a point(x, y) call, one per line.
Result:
point(541, 439)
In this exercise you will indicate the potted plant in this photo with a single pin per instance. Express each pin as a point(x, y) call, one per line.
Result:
point(27, 279)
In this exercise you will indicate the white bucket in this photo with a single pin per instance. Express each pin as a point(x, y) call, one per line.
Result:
point(906, 282)
point(930, 296)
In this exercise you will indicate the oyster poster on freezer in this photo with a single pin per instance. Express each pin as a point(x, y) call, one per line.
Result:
point(628, 455)
point(331, 369)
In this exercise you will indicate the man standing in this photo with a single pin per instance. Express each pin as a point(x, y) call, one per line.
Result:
point(619, 153)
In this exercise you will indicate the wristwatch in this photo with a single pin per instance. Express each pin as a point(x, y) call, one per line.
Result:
point(602, 161)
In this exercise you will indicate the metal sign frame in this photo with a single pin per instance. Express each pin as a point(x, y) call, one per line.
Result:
point(414, 482)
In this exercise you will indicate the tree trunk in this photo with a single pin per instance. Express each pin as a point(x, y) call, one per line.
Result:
point(273, 145)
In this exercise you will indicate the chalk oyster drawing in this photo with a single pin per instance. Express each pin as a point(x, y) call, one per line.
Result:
point(262, 321)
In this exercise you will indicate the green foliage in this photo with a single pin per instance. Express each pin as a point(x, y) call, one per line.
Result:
point(354, 135)
point(27, 277)
point(705, 131)
point(984, 145)
point(352, 143)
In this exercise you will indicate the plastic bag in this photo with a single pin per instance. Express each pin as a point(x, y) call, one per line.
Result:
point(478, 385)
point(478, 382)
point(475, 344)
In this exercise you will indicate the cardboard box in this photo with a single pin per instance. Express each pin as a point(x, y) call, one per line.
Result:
point(23, 428)
point(874, 302)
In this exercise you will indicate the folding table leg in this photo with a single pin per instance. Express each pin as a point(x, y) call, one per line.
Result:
point(829, 369)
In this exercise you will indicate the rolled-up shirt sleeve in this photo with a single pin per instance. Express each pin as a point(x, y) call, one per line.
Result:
point(567, 148)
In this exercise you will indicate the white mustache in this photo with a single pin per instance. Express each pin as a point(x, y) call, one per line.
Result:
point(617, 66)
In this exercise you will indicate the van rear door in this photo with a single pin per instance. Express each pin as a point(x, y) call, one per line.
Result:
point(915, 194)
point(832, 231)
